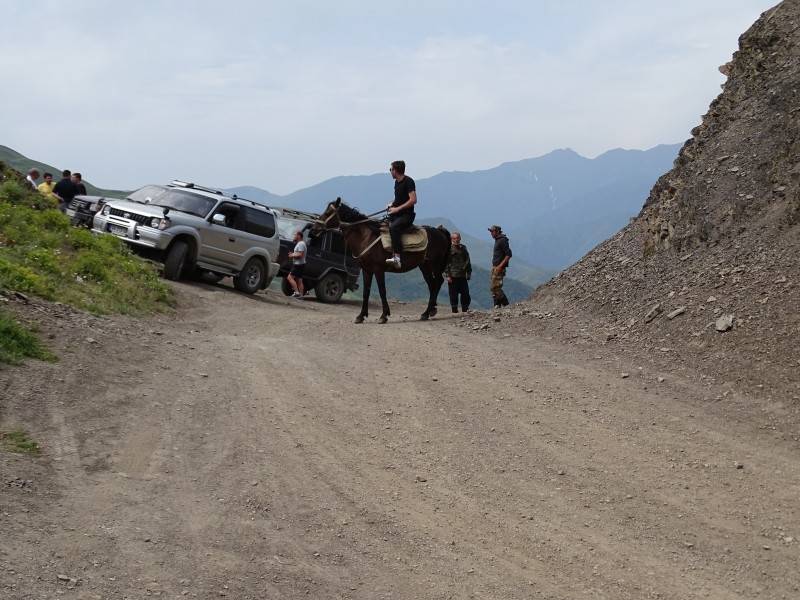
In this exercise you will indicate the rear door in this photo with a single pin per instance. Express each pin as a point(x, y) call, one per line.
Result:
point(259, 230)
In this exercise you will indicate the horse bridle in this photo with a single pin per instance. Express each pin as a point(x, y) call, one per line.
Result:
point(352, 224)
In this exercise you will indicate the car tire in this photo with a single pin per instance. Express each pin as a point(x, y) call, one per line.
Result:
point(175, 264)
point(286, 287)
point(330, 288)
point(252, 276)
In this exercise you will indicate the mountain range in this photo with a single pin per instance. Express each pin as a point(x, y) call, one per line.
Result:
point(555, 207)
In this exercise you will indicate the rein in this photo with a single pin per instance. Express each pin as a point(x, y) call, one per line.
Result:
point(343, 224)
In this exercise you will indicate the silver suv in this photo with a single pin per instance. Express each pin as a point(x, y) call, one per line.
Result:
point(193, 229)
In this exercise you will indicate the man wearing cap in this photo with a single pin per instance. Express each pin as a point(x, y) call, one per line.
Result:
point(500, 258)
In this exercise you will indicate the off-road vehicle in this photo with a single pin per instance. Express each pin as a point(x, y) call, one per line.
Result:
point(82, 209)
point(330, 268)
point(197, 230)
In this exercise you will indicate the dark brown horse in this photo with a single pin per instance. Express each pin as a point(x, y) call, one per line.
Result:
point(362, 236)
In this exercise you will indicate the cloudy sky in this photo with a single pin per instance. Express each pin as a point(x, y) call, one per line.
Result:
point(285, 94)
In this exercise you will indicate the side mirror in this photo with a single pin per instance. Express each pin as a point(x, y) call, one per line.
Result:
point(218, 219)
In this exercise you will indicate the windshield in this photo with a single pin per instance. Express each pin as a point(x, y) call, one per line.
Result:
point(288, 227)
point(193, 204)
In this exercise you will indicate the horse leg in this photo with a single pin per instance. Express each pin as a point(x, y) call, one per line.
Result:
point(367, 278)
point(380, 277)
point(438, 280)
point(431, 309)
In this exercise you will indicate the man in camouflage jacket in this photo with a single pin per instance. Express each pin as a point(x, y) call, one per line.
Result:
point(458, 272)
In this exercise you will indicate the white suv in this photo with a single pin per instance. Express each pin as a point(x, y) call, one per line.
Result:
point(196, 229)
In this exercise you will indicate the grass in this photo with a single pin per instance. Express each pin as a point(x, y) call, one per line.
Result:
point(19, 442)
point(18, 343)
point(41, 254)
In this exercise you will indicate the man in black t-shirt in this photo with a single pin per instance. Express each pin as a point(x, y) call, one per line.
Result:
point(80, 188)
point(66, 190)
point(401, 210)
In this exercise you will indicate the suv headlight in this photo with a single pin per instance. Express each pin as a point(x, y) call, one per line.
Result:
point(106, 209)
point(158, 223)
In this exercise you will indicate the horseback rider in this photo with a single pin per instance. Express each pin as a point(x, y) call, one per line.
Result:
point(401, 210)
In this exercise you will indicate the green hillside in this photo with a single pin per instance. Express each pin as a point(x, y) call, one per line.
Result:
point(23, 164)
point(42, 255)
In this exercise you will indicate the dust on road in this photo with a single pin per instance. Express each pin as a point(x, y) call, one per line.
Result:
point(252, 448)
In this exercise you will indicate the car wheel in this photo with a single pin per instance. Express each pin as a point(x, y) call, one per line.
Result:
point(251, 278)
point(175, 263)
point(330, 288)
point(286, 287)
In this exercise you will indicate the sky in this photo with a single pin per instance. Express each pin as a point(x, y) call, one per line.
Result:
point(283, 95)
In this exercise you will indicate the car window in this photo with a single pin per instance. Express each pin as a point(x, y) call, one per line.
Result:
point(288, 227)
point(337, 243)
point(233, 215)
point(259, 222)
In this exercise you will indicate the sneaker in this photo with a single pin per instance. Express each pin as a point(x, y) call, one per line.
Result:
point(296, 295)
point(455, 309)
point(394, 262)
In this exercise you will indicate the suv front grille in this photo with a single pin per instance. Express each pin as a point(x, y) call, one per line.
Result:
point(141, 219)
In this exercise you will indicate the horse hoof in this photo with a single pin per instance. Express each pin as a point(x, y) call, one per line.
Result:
point(432, 312)
point(359, 320)
point(424, 317)
point(382, 320)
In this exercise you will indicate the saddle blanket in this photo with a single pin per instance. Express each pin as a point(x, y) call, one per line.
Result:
point(414, 240)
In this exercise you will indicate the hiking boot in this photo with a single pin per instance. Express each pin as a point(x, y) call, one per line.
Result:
point(393, 262)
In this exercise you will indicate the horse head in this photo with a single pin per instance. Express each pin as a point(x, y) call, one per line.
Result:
point(329, 219)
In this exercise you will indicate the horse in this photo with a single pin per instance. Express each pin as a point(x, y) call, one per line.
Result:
point(362, 235)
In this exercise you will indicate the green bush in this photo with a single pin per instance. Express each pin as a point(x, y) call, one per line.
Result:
point(43, 255)
point(17, 343)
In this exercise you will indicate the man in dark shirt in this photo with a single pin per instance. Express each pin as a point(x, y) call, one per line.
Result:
point(458, 272)
point(500, 259)
point(77, 179)
point(65, 189)
point(401, 210)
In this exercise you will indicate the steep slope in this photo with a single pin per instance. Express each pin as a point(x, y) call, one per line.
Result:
point(718, 237)
point(22, 163)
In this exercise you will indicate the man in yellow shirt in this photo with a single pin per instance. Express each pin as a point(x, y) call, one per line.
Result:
point(46, 187)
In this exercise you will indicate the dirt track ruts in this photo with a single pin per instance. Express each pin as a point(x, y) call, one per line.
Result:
point(252, 448)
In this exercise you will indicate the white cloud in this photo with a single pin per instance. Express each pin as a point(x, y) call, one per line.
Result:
point(283, 97)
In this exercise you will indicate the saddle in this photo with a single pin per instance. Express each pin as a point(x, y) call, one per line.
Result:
point(414, 240)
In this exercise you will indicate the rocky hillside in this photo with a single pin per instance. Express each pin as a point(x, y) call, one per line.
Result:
point(709, 269)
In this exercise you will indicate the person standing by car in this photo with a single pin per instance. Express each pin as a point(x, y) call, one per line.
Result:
point(298, 256)
point(500, 259)
point(65, 190)
point(458, 272)
point(77, 179)
point(401, 210)
point(30, 179)
point(46, 187)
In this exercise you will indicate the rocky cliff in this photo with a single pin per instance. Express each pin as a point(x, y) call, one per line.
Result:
point(709, 268)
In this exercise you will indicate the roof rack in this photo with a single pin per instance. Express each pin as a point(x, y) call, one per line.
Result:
point(299, 214)
point(194, 186)
point(253, 202)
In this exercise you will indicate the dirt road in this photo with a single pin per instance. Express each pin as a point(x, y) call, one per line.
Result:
point(247, 447)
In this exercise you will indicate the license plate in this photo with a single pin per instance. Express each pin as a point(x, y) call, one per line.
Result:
point(117, 230)
point(70, 212)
